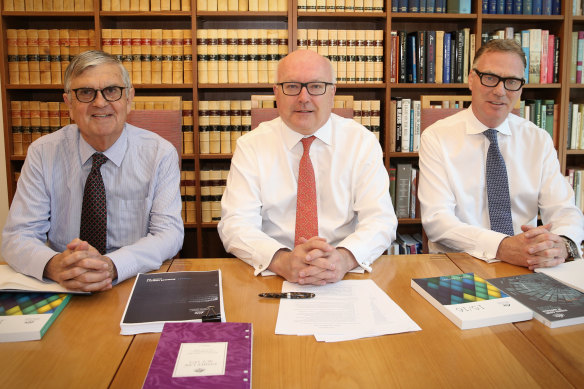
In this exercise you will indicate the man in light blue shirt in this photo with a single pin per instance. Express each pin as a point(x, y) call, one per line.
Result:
point(141, 178)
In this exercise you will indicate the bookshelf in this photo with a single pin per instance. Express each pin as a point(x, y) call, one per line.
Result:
point(294, 17)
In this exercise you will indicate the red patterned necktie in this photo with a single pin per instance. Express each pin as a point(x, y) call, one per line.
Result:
point(94, 211)
point(306, 213)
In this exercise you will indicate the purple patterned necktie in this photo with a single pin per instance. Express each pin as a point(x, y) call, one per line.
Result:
point(498, 188)
point(94, 211)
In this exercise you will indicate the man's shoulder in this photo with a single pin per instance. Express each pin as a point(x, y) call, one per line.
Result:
point(56, 140)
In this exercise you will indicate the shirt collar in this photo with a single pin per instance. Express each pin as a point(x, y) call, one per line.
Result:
point(291, 137)
point(474, 126)
point(115, 153)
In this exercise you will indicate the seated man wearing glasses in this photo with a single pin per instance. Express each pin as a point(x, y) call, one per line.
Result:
point(486, 174)
point(307, 195)
point(98, 201)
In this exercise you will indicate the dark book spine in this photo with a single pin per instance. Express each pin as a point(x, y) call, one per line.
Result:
point(411, 72)
point(421, 62)
point(402, 55)
point(431, 56)
point(459, 55)
point(446, 60)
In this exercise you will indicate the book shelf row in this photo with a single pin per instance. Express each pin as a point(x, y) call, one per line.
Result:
point(232, 56)
point(357, 55)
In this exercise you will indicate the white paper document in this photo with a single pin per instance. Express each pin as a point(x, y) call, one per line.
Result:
point(346, 310)
point(570, 273)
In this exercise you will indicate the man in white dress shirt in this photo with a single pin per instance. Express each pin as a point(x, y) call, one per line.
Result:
point(356, 221)
point(453, 184)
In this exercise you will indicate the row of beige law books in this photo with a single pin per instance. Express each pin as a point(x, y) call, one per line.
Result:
point(145, 5)
point(340, 5)
point(239, 56)
point(32, 119)
point(152, 56)
point(356, 55)
point(213, 183)
point(242, 5)
point(48, 5)
point(40, 57)
point(221, 123)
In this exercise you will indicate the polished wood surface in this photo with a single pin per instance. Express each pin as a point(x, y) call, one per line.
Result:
point(83, 348)
point(440, 355)
point(564, 347)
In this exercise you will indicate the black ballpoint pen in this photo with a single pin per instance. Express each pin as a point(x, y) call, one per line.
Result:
point(288, 295)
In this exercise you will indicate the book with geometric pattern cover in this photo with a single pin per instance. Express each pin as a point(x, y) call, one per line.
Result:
point(553, 303)
point(28, 316)
point(470, 301)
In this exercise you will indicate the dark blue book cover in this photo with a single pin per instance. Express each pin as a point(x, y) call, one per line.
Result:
point(446, 59)
point(431, 56)
point(517, 7)
point(501, 6)
point(492, 7)
point(414, 6)
point(556, 7)
point(536, 7)
point(431, 6)
point(402, 5)
point(394, 5)
point(458, 76)
point(411, 58)
point(509, 7)
point(546, 7)
point(440, 6)
point(527, 7)
point(485, 6)
point(423, 8)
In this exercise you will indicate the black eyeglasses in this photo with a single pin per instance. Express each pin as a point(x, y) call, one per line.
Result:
point(492, 80)
point(315, 88)
point(109, 93)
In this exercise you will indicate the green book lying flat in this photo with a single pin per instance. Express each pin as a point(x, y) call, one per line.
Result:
point(28, 316)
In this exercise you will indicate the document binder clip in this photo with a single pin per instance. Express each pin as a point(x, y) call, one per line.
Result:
point(210, 315)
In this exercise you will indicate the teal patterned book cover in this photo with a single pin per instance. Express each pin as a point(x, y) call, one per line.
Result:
point(469, 301)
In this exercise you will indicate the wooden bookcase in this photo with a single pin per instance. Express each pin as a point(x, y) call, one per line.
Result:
point(201, 239)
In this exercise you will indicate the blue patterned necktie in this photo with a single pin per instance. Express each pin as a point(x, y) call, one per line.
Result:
point(498, 188)
point(94, 212)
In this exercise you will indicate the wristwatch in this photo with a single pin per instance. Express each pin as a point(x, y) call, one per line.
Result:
point(571, 249)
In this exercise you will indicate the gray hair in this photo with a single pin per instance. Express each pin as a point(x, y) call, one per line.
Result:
point(501, 46)
point(91, 58)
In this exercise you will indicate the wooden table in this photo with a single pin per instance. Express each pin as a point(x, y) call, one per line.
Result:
point(563, 347)
point(84, 349)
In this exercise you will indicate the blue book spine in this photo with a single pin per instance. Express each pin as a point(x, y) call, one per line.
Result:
point(430, 6)
point(440, 6)
point(492, 7)
point(485, 6)
point(509, 7)
point(546, 7)
point(414, 6)
point(556, 7)
point(501, 6)
point(402, 5)
point(464, 6)
point(536, 7)
point(526, 7)
point(423, 6)
point(517, 7)
point(411, 68)
point(394, 5)
point(446, 59)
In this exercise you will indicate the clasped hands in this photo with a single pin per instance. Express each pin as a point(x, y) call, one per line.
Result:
point(534, 247)
point(81, 267)
point(313, 262)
